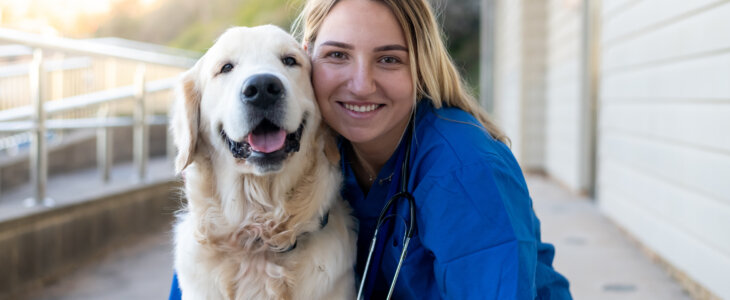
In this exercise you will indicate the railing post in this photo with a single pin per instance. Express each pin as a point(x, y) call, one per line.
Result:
point(105, 135)
point(38, 154)
point(170, 148)
point(140, 125)
point(104, 146)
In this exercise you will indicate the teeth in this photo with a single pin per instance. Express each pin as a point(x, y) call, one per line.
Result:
point(361, 108)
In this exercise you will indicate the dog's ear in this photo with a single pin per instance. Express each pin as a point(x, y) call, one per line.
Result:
point(186, 119)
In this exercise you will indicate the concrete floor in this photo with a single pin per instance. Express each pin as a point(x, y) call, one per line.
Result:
point(140, 270)
point(597, 258)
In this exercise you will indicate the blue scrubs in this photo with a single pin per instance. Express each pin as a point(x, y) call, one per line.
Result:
point(477, 235)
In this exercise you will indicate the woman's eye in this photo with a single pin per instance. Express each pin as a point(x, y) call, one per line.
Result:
point(336, 55)
point(227, 68)
point(289, 61)
point(389, 60)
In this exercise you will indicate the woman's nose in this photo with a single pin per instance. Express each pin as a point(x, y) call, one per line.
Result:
point(362, 82)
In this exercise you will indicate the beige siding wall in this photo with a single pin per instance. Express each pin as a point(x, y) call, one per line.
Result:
point(533, 70)
point(508, 71)
point(563, 94)
point(664, 131)
point(520, 78)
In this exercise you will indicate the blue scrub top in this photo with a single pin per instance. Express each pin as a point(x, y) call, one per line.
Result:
point(477, 235)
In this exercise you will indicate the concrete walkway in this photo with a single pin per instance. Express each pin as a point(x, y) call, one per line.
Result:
point(597, 258)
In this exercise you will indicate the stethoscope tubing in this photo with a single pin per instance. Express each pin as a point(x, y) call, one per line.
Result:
point(403, 193)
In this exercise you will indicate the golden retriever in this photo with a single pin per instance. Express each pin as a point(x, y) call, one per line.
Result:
point(264, 218)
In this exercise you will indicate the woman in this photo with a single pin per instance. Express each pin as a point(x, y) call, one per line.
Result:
point(384, 81)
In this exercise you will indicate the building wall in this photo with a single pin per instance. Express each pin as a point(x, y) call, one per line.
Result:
point(508, 72)
point(664, 131)
point(520, 78)
point(563, 107)
point(534, 32)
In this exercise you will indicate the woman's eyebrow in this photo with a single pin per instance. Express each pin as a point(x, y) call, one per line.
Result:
point(390, 47)
point(337, 44)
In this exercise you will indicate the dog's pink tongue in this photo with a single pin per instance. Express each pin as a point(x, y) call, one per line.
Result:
point(267, 142)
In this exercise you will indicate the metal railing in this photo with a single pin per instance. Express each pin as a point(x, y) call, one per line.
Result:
point(34, 118)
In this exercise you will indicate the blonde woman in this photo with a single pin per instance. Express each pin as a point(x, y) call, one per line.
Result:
point(386, 84)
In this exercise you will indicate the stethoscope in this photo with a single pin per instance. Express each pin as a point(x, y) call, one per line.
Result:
point(402, 194)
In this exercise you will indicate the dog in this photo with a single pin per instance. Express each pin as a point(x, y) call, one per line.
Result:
point(264, 218)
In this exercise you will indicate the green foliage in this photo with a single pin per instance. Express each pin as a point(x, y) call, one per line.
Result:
point(200, 35)
point(194, 24)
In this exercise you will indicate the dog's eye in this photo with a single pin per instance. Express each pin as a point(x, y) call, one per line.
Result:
point(227, 68)
point(289, 61)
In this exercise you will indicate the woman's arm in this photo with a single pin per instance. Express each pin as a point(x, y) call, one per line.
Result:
point(479, 224)
point(175, 292)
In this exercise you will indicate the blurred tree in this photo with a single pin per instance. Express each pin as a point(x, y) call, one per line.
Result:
point(194, 24)
point(460, 21)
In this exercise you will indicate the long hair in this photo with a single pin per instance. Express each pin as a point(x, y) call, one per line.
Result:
point(433, 72)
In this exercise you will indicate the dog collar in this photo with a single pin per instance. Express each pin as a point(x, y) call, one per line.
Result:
point(322, 223)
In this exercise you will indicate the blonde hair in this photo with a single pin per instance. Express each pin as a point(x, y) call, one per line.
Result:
point(432, 69)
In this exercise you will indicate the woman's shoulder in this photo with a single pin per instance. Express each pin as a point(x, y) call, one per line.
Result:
point(450, 143)
point(454, 135)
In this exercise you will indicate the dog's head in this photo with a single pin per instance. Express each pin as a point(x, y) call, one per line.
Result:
point(248, 101)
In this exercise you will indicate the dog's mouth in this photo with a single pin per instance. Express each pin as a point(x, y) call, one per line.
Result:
point(265, 140)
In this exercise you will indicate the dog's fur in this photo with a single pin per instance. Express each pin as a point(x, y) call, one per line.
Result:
point(241, 214)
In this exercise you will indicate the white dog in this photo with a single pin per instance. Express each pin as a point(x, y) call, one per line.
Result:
point(264, 219)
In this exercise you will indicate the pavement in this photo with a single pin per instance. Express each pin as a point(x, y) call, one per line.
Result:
point(598, 259)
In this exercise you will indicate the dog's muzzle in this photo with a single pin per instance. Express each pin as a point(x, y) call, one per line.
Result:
point(265, 141)
point(264, 100)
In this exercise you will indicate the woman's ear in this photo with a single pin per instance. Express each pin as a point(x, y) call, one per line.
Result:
point(186, 119)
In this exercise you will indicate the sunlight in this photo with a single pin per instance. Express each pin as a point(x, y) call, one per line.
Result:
point(52, 15)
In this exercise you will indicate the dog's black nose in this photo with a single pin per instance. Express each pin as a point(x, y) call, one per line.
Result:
point(262, 90)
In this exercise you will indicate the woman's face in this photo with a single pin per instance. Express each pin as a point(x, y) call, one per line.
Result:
point(361, 73)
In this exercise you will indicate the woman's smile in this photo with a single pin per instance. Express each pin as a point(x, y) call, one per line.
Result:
point(361, 110)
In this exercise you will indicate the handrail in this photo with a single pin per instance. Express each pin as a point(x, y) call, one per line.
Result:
point(33, 118)
point(85, 100)
point(93, 48)
point(65, 64)
point(109, 122)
